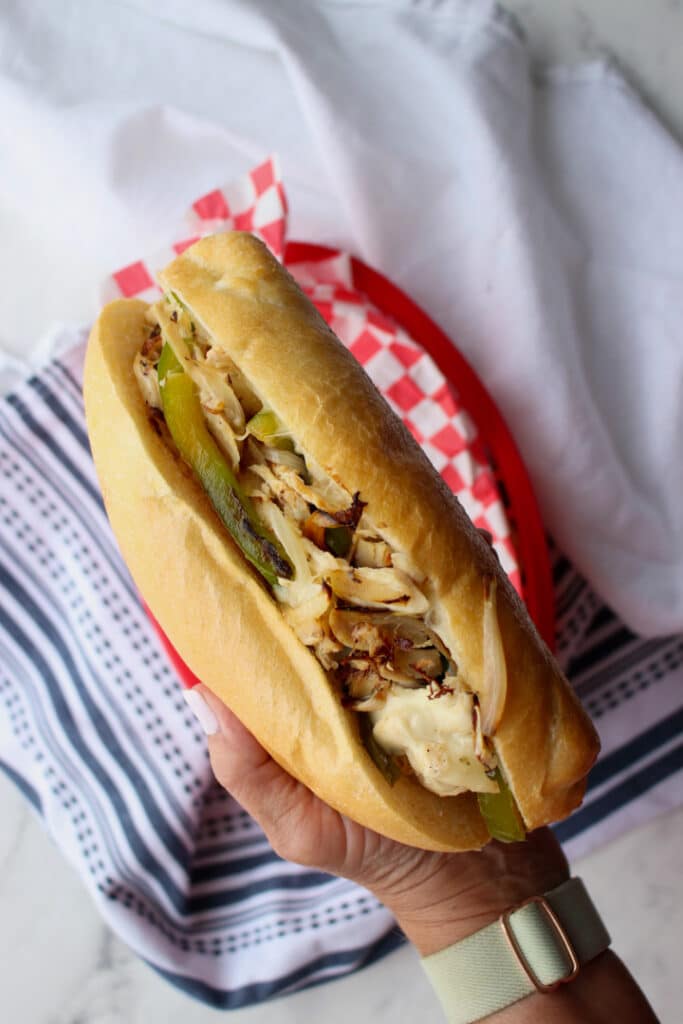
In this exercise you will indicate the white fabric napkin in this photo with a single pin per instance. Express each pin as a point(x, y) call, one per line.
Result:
point(540, 221)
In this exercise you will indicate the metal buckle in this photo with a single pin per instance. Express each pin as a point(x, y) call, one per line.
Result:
point(559, 931)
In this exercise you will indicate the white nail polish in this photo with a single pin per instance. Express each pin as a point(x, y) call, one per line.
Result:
point(202, 712)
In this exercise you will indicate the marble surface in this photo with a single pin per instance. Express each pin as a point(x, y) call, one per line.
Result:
point(60, 965)
point(645, 39)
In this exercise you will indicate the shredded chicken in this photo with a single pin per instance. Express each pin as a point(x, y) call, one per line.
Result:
point(148, 382)
point(355, 601)
point(216, 393)
point(272, 485)
point(379, 588)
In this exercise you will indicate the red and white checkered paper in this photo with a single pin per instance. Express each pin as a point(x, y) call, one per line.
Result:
point(429, 405)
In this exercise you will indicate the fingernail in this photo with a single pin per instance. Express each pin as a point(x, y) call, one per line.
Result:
point(202, 712)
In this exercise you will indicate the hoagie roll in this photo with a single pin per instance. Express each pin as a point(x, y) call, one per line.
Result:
point(313, 569)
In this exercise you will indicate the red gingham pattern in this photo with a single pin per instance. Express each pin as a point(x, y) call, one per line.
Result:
point(406, 375)
point(254, 203)
point(417, 391)
point(264, 177)
point(133, 279)
point(212, 206)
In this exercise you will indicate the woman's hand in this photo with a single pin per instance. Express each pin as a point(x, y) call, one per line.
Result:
point(437, 898)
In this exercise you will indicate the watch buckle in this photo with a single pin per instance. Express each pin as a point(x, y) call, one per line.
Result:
point(559, 932)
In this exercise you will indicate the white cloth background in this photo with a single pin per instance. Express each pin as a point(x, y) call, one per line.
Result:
point(540, 222)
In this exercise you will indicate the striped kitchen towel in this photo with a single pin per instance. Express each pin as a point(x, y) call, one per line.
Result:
point(94, 730)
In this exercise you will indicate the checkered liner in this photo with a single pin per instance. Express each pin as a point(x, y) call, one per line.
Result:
point(255, 203)
point(405, 374)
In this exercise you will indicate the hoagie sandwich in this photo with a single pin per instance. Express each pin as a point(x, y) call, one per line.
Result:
point(312, 568)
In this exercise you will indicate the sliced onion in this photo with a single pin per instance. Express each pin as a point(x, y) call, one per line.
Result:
point(389, 670)
point(356, 630)
point(363, 682)
point(171, 333)
point(494, 689)
point(294, 505)
point(366, 690)
point(372, 553)
point(422, 662)
point(379, 588)
point(414, 633)
point(313, 493)
point(223, 436)
point(412, 669)
point(283, 457)
point(291, 542)
point(322, 563)
point(483, 750)
point(215, 391)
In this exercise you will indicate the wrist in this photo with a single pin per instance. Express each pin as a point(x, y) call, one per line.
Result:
point(544, 960)
point(465, 892)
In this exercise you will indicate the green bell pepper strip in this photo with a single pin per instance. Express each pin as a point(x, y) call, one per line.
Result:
point(266, 427)
point(338, 540)
point(184, 418)
point(501, 814)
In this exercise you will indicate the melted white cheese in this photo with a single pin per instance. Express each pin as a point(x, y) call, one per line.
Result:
point(437, 738)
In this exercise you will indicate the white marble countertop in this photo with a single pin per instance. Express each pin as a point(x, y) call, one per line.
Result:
point(58, 962)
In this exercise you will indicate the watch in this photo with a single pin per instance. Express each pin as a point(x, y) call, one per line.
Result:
point(533, 947)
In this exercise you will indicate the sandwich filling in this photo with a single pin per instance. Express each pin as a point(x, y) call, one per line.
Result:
point(354, 600)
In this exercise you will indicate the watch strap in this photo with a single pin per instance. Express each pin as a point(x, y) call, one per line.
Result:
point(533, 947)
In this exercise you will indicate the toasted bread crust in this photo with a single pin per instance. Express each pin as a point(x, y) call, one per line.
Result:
point(222, 620)
point(255, 312)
